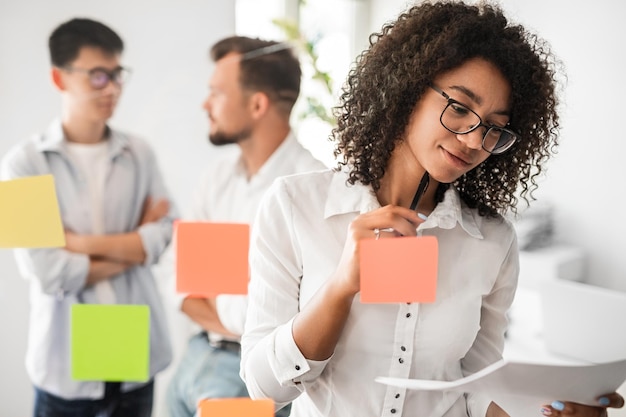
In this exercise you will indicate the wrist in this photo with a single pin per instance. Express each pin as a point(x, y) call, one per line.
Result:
point(342, 290)
point(495, 411)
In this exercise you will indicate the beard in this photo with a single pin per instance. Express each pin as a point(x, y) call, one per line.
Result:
point(219, 138)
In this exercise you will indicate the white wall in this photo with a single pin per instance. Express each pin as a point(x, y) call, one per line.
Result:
point(585, 180)
point(167, 45)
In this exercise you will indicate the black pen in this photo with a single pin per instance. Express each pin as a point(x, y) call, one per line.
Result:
point(421, 189)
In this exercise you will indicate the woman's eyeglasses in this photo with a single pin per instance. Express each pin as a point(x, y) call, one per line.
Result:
point(100, 77)
point(460, 119)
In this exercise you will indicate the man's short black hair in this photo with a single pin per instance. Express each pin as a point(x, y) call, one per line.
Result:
point(67, 39)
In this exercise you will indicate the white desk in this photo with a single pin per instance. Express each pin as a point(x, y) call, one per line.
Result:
point(524, 341)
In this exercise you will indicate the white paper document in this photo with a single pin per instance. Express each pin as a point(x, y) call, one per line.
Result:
point(522, 388)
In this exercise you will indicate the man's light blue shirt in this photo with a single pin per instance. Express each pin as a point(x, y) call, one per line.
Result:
point(57, 277)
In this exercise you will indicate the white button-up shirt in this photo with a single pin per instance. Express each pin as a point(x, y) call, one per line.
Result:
point(296, 246)
point(226, 194)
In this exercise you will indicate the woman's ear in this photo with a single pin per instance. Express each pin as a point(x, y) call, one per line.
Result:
point(57, 78)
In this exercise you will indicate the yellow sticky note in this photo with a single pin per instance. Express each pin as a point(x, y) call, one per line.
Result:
point(236, 407)
point(110, 342)
point(399, 270)
point(212, 258)
point(29, 213)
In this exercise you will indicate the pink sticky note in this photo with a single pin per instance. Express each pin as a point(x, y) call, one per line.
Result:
point(399, 270)
point(212, 258)
point(236, 407)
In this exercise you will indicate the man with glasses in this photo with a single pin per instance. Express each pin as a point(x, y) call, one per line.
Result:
point(117, 218)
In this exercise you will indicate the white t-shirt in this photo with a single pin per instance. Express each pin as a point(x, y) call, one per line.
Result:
point(93, 161)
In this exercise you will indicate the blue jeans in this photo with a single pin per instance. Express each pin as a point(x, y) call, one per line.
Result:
point(206, 372)
point(135, 403)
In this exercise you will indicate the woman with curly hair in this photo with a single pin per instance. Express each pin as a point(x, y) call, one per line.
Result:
point(457, 103)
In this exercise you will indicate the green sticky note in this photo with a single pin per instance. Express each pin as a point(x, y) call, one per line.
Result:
point(110, 342)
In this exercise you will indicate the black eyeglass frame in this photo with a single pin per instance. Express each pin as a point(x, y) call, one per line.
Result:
point(489, 128)
point(118, 75)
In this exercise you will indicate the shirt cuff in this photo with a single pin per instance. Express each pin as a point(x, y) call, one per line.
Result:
point(153, 240)
point(288, 363)
point(76, 277)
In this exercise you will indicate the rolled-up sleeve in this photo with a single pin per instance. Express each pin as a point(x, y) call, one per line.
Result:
point(489, 343)
point(272, 365)
point(157, 236)
point(277, 369)
point(57, 271)
point(289, 365)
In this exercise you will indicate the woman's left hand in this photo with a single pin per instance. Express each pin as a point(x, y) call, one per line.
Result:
point(558, 408)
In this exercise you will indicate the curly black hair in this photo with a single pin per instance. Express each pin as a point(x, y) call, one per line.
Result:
point(401, 63)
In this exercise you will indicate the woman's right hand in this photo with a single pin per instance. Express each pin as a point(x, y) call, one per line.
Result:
point(319, 325)
point(391, 221)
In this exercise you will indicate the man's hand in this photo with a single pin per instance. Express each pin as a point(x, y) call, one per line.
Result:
point(101, 270)
point(125, 248)
point(75, 243)
point(204, 312)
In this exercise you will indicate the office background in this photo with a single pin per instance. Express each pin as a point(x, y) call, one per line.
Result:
point(166, 46)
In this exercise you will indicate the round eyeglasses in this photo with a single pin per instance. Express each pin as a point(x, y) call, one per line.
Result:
point(100, 77)
point(460, 119)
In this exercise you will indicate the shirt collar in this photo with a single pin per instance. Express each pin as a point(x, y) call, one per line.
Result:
point(453, 210)
point(54, 140)
point(274, 163)
point(359, 198)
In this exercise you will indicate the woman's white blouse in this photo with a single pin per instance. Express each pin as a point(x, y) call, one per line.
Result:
point(296, 245)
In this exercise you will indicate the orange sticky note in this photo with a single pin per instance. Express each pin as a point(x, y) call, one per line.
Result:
point(236, 407)
point(212, 258)
point(399, 270)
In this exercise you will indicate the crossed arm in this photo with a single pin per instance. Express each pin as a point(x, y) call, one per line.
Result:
point(112, 254)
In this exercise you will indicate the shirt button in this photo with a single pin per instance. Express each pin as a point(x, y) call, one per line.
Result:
point(401, 360)
point(297, 367)
point(402, 348)
point(408, 315)
point(397, 395)
point(393, 411)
